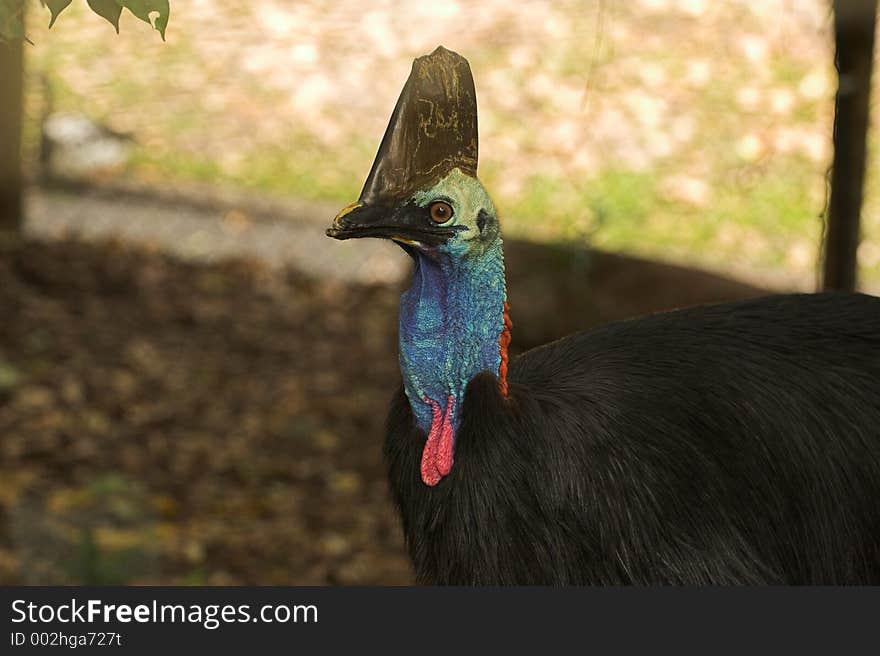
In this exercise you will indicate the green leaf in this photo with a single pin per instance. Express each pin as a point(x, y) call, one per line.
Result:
point(55, 8)
point(144, 8)
point(109, 9)
point(162, 18)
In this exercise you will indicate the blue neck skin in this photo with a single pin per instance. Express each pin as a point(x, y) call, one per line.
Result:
point(451, 319)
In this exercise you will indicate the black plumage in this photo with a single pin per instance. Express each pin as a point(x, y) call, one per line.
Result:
point(728, 444)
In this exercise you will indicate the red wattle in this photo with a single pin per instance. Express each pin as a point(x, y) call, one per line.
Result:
point(444, 448)
point(430, 475)
point(437, 455)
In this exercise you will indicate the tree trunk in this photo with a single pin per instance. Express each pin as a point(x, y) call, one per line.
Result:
point(854, 24)
point(11, 100)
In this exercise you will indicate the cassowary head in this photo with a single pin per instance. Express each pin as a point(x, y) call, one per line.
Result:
point(423, 193)
point(423, 190)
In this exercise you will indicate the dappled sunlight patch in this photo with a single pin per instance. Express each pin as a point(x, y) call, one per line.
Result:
point(663, 88)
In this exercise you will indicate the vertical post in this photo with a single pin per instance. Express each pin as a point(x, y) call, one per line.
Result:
point(854, 24)
point(11, 100)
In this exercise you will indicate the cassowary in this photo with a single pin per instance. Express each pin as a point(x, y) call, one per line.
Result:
point(728, 444)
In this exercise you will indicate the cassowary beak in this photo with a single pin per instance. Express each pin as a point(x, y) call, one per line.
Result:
point(406, 223)
point(432, 131)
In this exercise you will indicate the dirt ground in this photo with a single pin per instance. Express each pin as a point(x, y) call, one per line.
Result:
point(166, 422)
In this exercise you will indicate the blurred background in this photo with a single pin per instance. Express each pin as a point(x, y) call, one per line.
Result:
point(194, 380)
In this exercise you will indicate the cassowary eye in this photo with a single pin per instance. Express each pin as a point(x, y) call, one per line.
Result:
point(441, 211)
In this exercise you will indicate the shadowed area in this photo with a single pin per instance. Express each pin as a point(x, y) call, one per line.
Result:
point(166, 422)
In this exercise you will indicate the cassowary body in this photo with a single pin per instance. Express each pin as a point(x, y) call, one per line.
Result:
point(730, 444)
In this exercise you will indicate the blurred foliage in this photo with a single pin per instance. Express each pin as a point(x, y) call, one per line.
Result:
point(152, 12)
point(680, 129)
point(8, 378)
point(11, 20)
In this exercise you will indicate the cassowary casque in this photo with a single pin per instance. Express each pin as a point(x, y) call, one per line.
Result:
point(726, 444)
